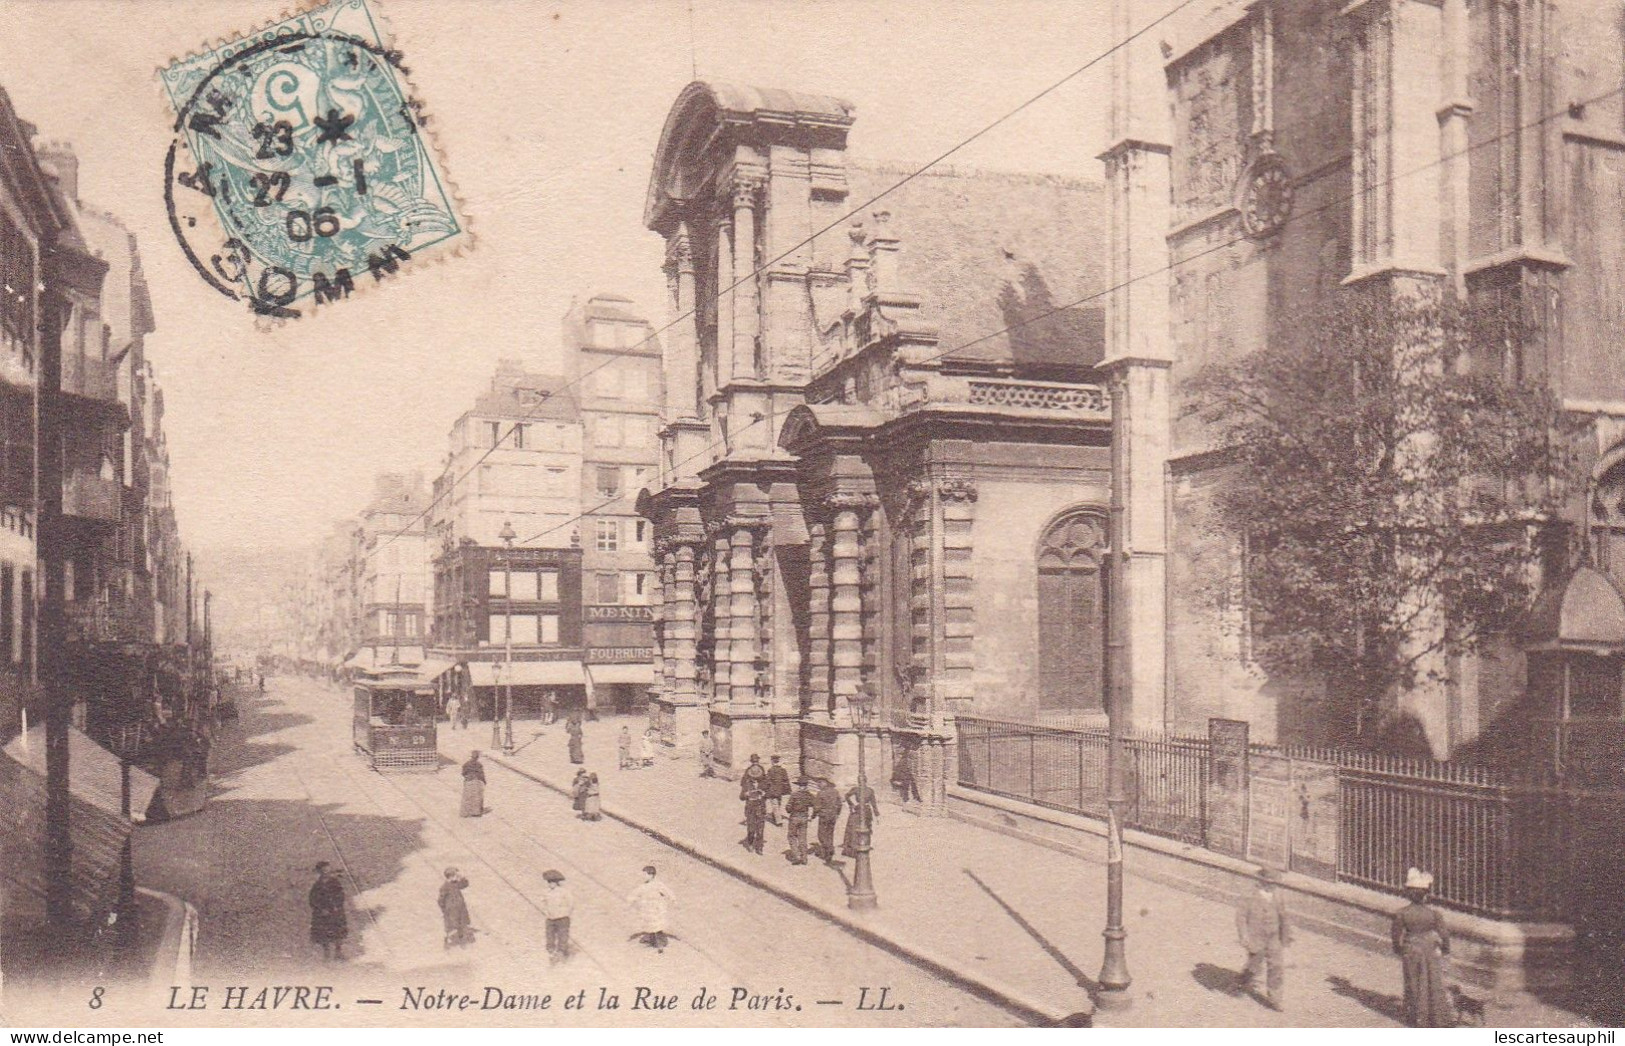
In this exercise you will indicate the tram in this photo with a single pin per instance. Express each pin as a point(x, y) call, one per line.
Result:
point(395, 713)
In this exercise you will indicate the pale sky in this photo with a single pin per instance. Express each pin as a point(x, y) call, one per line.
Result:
point(547, 115)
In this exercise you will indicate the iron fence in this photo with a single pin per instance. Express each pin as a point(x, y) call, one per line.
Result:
point(1165, 779)
point(1504, 843)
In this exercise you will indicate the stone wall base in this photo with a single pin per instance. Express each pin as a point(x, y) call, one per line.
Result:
point(679, 723)
point(738, 734)
point(1506, 958)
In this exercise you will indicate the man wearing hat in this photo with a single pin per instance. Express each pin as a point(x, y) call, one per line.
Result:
point(827, 806)
point(777, 784)
point(557, 904)
point(798, 808)
point(454, 910)
point(1262, 926)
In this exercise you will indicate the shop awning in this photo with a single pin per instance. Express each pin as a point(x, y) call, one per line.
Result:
point(97, 830)
point(640, 673)
point(527, 673)
point(432, 670)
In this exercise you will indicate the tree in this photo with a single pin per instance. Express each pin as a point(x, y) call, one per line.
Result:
point(1391, 478)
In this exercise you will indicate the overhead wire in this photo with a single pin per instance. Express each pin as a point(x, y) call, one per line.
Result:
point(1334, 202)
point(528, 417)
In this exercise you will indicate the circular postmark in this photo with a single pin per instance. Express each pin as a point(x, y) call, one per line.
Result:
point(298, 168)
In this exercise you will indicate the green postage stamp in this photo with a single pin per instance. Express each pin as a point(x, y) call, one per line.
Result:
point(301, 169)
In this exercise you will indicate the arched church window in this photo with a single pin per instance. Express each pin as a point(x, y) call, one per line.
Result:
point(1608, 522)
point(1072, 592)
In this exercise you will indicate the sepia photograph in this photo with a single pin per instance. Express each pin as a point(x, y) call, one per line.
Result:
point(873, 514)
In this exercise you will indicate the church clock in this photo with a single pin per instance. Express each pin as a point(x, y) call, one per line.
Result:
point(1266, 196)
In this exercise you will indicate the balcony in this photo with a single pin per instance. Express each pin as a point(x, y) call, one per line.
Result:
point(88, 496)
point(90, 377)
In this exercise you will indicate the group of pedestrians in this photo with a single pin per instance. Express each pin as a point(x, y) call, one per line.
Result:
point(585, 797)
point(645, 755)
point(1418, 934)
point(770, 798)
point(651, 901)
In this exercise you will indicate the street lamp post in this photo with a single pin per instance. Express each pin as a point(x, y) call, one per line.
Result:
point(508, 535)
point(1114, 977)
point(861, 893)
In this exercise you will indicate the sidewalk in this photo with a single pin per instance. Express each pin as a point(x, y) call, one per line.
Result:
point(1013, 921)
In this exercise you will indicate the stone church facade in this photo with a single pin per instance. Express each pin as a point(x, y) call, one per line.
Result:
point(885, 486)
point(1466, 146)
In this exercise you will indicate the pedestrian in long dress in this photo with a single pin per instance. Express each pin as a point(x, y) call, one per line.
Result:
point(1265, 931)
point(827, 808)
point(572, 727)
point(861, 804)
point(652, 900)
point(578, 792)
point(454, 910)
point(328, 924)
point(623, 745)
point(798, 808)
point(454, 710)
point(1422, 944)
point(778, 786)
point(473, 786)
point(592, 808)
point(755, 797)
point(647, 748)
point(557, 905)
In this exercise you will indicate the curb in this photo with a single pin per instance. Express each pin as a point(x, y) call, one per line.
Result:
point(172, 964)
point(1003, 996)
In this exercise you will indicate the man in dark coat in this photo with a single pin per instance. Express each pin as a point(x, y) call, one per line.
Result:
point(778, 786)
point(328, 924)
point(454, 910)
point(827, 806)
point(1263, 928)
point(755, 796)
point(798, 808)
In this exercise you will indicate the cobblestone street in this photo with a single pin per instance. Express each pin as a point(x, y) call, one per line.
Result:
point(290, 792)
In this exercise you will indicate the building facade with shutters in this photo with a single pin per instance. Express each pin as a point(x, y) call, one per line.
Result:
point(396, 572)
point(515, 466)
point(613, 356)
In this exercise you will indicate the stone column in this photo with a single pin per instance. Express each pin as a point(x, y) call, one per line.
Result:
point(818, 693)
point(725, 367)
point(747, 311)
point(957, 669)
point(721, 618)
point(667, 618)
point(742, 633)
point(681, 625)
point(681, 358)
point(846, 600)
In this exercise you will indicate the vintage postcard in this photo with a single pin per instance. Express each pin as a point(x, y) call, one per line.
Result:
point(738, 514)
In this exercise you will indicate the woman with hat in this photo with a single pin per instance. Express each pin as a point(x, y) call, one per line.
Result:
point(1422, 943)
point(328, 925)
point(592, 808)
point(454, 910)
